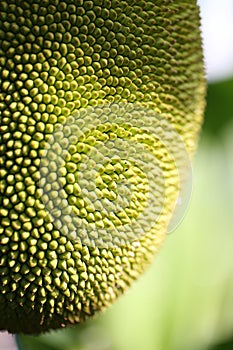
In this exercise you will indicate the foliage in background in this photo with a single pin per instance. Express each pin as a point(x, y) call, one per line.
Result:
point(219, 110)
point(224, 346)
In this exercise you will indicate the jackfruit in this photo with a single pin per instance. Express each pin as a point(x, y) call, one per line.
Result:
point(93, 94)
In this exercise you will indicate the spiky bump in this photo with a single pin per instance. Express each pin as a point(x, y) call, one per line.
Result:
point(57, 58)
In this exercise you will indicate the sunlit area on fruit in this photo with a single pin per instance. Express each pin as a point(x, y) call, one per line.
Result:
point(184, 301)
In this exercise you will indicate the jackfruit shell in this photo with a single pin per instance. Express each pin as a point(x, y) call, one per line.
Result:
point(100, 72)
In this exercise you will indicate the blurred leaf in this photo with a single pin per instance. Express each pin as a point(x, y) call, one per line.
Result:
point(224, 346)
point(219, 110)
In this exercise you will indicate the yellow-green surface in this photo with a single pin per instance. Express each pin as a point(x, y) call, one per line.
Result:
point(58, 60)
point(185, 299)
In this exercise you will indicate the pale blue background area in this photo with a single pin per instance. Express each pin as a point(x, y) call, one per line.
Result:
point(217, 27)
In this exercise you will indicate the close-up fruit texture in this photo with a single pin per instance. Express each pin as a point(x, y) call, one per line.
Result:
point(101, 104)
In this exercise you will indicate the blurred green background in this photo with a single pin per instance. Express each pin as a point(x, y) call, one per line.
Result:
point(184, 301)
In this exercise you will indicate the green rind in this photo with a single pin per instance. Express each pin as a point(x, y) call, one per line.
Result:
point(55, 58)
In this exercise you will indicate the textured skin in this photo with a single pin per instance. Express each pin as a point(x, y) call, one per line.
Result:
point(57, 57)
